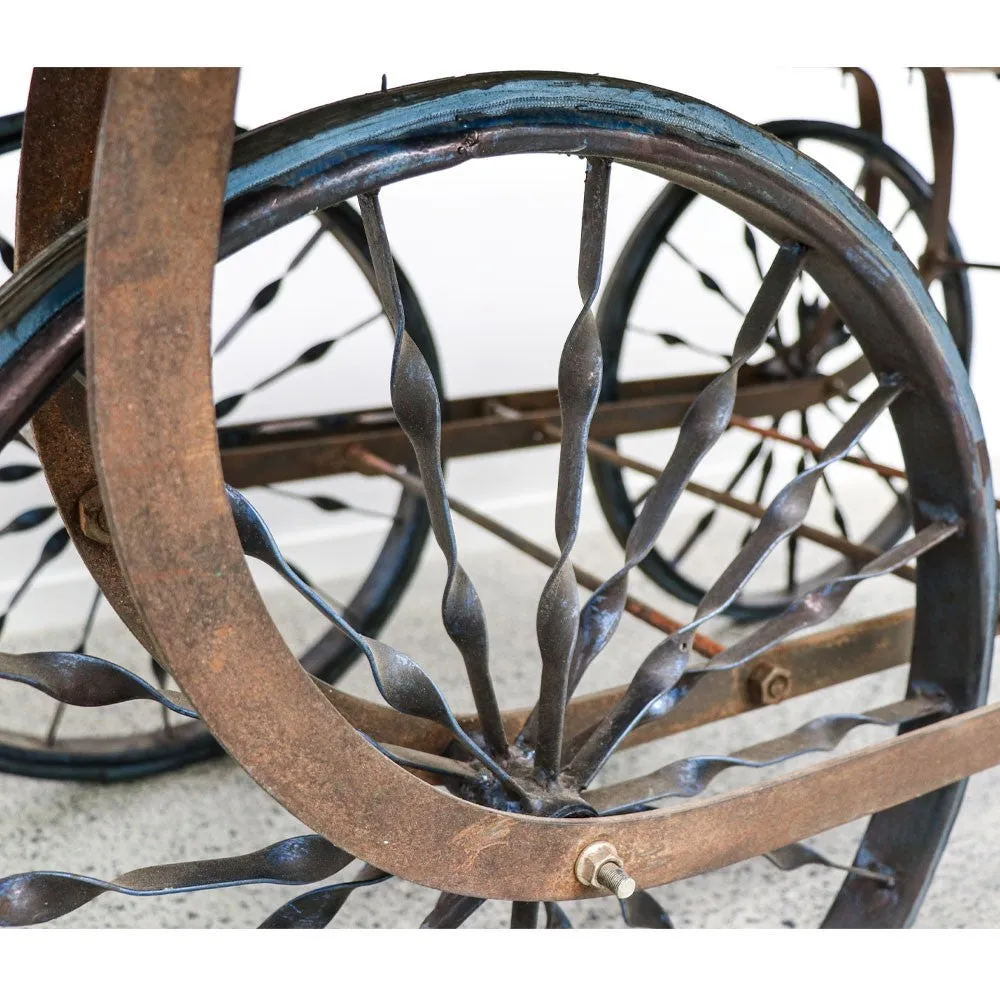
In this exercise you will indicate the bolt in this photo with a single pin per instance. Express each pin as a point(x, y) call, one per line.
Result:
point(600, 867)
point(93, 520)
point(613, 878)
point(767, 685)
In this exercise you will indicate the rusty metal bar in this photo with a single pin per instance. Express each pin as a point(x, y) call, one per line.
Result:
point(286, 450)
point(885, 471)
point(827, 794)
point(869, 119)
point(941, 121)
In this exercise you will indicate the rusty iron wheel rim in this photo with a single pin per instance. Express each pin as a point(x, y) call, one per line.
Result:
point(908, 323)
point(528, 858)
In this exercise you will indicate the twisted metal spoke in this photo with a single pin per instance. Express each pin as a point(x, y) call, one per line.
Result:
point(763, 479)
point(676, 340)
point(27, 520)
point(37, 897)
point(90, 621)
point(866, 459)
point(706, 279)
point(524, 916)
point(792, 542)
point(417, 405)
point(400, 681)
point(16, 473)
point(315, 909)
point(902, 218)
point(820, 604)
point(787, 512)
point(642, 611)
point(797, 855)
point(53, 547)
point(90, 682)
point(88, 628)
point(641, 910)
point(430, 762)
point(579, 386)
point(775, 338)
point(556, 919)
point(750, 242)
point(308, 357)
point(664, 666)
point(451, 911)
point(56, 721)
point(692, 775)
point(159, 672)
point(704, 423)
point(655, 684)
point(707, 519)
point(86, 681)
point(330, 504)
point(266, 295)
point(837, 510)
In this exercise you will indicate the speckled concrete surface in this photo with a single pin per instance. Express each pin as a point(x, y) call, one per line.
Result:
point(214, 809)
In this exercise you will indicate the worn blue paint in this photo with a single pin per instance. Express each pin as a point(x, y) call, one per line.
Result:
point(15, 336)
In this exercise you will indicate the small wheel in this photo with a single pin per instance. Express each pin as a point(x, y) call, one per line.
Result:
point(644, 333)
point(330, 273)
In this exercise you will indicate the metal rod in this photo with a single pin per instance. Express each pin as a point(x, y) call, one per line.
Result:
point(885, 471)
point(854, 551)
point(941, 121)
point(305, 448)
point(368, 462)
point(954, 264)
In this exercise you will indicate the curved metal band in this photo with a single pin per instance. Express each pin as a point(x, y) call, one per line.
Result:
point(148, 283)
point(61, 125)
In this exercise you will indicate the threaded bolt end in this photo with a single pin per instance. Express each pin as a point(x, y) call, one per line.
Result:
point(612, 877)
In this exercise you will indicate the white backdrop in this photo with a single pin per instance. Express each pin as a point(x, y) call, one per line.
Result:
point(491, 247)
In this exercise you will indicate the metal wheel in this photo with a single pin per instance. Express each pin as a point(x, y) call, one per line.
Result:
point(643, 331)
point(332, 258)
point(506, 805)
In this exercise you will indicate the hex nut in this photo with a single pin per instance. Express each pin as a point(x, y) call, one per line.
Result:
point(592, 858)
point(767, 685)
point(93, 520)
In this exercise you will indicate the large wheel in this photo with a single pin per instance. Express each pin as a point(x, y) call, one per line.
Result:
point(519, 817)
point(331, 271)
point(689, 243)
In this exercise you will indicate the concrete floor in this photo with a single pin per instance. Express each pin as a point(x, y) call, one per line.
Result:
point(214, 809)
